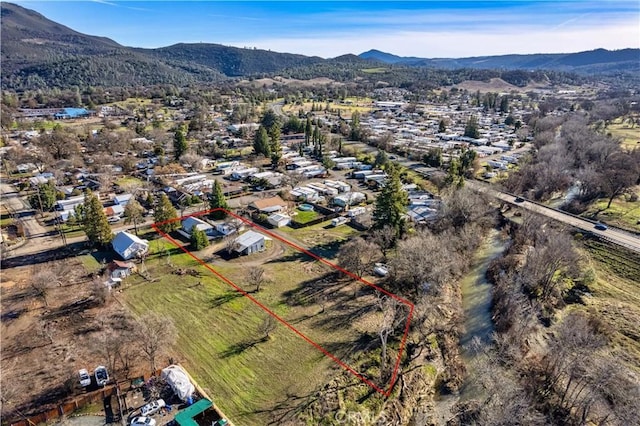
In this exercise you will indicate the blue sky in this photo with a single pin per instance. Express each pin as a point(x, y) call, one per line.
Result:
point(331, 28)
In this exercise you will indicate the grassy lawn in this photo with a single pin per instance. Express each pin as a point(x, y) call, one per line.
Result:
point(129, 181)
point(622, 213)
point(72, 230)
point(305, 216)
point(219, 341)
point(5, 220)
point(630, 136)
point(362, 105)
point(615, 297)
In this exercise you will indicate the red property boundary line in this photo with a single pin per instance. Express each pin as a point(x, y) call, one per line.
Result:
point(386, 392)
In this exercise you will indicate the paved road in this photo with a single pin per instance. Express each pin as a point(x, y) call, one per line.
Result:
point(613, 235)
point(22, 211)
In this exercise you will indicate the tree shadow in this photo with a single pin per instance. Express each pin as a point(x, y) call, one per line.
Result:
point(238, 348)
point(227, 297)
point(75, 307)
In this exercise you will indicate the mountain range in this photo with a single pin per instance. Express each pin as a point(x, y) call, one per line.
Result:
point(598, 60)
point(37, 53)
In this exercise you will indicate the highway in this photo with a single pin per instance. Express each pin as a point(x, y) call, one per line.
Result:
point(614, 235)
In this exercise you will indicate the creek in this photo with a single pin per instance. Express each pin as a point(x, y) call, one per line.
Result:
point(476, 304)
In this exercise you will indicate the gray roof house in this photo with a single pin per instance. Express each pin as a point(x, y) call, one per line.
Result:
point(190, 222)
point(249, 242)
point(129, 246)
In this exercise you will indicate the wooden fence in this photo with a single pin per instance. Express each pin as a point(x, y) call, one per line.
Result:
point(64, 408)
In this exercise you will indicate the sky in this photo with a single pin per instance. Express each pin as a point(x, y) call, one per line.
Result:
point(427, 29)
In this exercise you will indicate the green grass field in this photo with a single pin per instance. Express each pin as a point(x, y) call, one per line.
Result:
point(305, 216)
point(378, 70)
point(219, 342)
point(622, 213)
point(630, 136)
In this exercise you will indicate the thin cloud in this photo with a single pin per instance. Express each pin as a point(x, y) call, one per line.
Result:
point(105, 2)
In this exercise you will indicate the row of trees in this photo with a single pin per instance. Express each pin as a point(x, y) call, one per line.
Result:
point(570, 153)
point(546, 368)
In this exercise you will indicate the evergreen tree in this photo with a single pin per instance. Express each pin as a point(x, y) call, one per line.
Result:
point(355, 126)
point(165, 211)
point(307, 132)
point(94, 221)
point(199, 239)
point(44, 198)
point(270, 120)
point(179, 143)
point(391, 203)
point(133, 213)
point(442, 126)
point(504, 104)
point(381, 159)
point(433, 157)
point(261, 142)
point(471, 128)
point(275, 146)
point(217, 201)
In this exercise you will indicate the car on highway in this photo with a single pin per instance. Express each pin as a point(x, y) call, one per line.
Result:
point(142, 421)
point(601, 227)
point(152, 408)
point(519, 200)
point(101, 374)
point(85, 379)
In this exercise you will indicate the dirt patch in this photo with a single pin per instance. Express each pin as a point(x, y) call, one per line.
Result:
point(47, 338)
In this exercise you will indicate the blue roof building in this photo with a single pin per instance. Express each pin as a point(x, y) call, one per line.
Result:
point(72, 113)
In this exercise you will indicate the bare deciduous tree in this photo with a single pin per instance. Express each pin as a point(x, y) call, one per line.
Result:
point(384, 238)
point(41, 280)
point(255, 276)
point(155, 334)
point(357, 256)
point(267, 326)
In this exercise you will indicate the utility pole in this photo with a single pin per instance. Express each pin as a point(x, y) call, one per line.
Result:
point(63, 236)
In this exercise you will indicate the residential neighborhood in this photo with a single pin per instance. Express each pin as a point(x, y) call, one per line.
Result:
point(210, 235)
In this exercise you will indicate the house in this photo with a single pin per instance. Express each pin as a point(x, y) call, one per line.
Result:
point(279, 220)
point(228, 228)
point(114, 211)
point(119, 269)
point(189, 223)
point(122, 199)
point(349, 199)
point(268, 205)
point(128, 246)
point(69, 203)
point(249, 242)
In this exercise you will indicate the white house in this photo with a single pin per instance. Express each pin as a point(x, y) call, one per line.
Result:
point(189, 223)
point(279, 220)
point(122, 199)
point(129, 246)
point(249, 242)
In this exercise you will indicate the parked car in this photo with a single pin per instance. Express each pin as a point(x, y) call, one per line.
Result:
point(102, 376)
point(85, 379)
point(143, 421)
point(152, 408)
point(601, 227)
point(381, 270)
point(114, 219)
